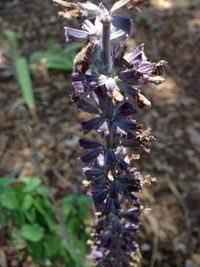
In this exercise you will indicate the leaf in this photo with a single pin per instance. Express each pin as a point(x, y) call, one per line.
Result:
point(56, 57)
point(71, 48)
point(32, 232)
point(45, 209)
point(26, 203)
point(7, 180)
point(30, 215)
point(66, 208)
point(24, 79)
point(42, 190)
point(37, 252)
point(11, 35)
point(52, 245)
point(84, 205)
point(31, 183)
point(8, 198)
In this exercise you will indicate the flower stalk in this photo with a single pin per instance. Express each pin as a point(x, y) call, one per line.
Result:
point(106, 47)
point(106, 79)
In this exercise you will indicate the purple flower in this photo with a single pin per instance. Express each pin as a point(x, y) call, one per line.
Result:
point(92, 32)
point(138, 69)
point(120, 26)
point(104, 78)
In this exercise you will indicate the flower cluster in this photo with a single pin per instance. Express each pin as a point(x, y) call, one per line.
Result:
point(106, 79)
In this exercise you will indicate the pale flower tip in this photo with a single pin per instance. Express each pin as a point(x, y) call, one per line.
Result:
point(134, 157)
point(86, 183)
point(117, 95)
point(146, 210)
point(90, 242)
point(143, 101)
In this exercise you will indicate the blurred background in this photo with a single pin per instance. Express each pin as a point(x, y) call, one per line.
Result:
point(47, 220)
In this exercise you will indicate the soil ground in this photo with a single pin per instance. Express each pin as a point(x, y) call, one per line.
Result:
point(48, 146)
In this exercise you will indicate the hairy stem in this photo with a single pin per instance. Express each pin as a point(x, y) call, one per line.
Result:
point(106, 52)
point(106, 45)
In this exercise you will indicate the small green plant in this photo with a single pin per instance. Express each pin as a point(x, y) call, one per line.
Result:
point(22, 70)
point(56, 57)
point(30, 217)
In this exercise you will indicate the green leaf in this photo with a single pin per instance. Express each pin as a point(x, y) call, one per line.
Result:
point(66, 207)
point(30, 215)
point(31, 183)
point(32, 232)
point(3, 218)
point(8, 198)
point(56, 57)
point(17, 237)
point(42, 190)
point(26, 203)
point(44, 208)
point(52, 245)
point(7, 180)
point(71, 48)
point(37, 252)
point(84, 205)
point(11, 35)
point(24, 79)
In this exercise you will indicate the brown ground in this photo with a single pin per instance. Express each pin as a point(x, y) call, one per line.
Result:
point(48, 146)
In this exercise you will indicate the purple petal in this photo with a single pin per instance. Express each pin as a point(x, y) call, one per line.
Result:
point(110, 157)
point(116, 225)
point(79, 87)
point(123, 110)
point(110, 84)
point(122, 23)
point(132, 76)
point(101, 97)
point(109, 205)
point(89, 144)
point(118, 49)
point(126, 124)
point(99, 196)
point(146, 68)
point(117, 34)
point(92, 124)
point(90, 156)
point(93, 171)
point(89, 27)
point(137, 54)
point(103, 129)
point(132, 91)
point(123, 165)
point(99, 182)
point(132, 215)
point(72, 34)
point(97, 255)
point(86, 106)
point(103, 11)
point(89, 9)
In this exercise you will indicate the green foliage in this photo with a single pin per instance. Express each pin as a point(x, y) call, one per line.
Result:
point(55, 57)
point(24, 79)
point(22, 70)
point(13, 40)
point(27, 212)
point(75, 208)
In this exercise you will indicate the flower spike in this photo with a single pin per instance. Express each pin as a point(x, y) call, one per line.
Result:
point(105, 79)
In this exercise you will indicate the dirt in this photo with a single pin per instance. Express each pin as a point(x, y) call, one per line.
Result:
point(48, 145)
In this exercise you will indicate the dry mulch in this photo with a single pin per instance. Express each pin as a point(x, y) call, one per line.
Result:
point(48, 145)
